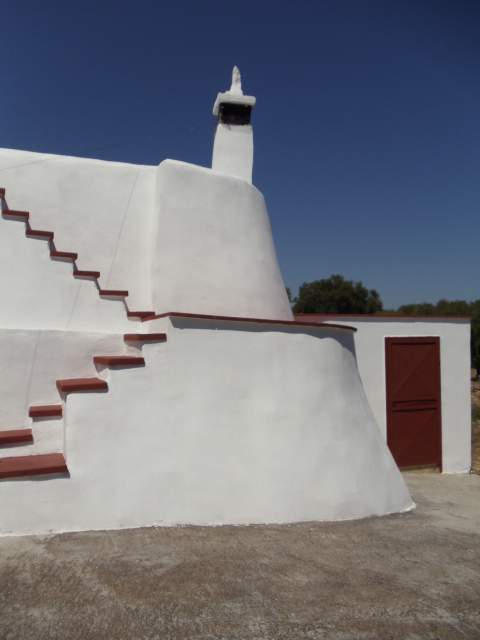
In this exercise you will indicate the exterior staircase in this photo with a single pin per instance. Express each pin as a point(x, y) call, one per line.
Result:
point(69, 256)
point(54, 463)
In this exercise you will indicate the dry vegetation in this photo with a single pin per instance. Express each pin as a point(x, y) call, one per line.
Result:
point(476, 425)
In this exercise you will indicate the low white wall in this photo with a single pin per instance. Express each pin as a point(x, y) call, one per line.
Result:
point(227, 423)
point(214, 251)
point(454, 337)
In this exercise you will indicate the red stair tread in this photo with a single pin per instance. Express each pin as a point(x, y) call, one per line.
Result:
point(63, 254)
point(70, 385)
point(45, 410)
point(15, 436)
point(110, 361)
point(86, 274)
point(13, 213)
point(114, 292)
point(36, 233)
point(32, 465)
point(140, 314)
point(145, 337)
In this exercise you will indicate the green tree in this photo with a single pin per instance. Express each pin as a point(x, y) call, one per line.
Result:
point(452, 308)
point(336, 295)
point(441, 308)
point(418, 309)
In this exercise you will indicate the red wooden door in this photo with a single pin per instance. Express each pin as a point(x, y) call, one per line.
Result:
point(413, 401)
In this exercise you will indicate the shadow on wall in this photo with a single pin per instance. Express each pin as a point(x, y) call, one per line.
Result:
point(344, 336)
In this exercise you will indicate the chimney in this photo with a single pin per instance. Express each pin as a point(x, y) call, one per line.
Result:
point(233, 144)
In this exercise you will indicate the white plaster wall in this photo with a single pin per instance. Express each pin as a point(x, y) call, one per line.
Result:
point(214, 251)
point(40, 293)
point(32, 361)
point(454, 337)
point(101, 210)
point(177, 237)
point(233, 150)
point(226, 424)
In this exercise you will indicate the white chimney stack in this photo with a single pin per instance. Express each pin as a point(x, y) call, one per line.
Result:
point(233, 144)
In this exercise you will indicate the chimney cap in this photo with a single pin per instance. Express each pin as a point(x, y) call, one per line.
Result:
point(235, 94)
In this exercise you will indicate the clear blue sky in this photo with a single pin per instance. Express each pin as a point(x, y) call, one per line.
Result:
point(366, 127)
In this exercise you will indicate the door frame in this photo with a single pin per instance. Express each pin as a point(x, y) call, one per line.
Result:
point(389, 342)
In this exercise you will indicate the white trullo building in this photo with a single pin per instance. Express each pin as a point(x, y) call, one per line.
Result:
point(152, 372)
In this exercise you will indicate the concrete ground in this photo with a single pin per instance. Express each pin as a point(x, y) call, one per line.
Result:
point(414, 576)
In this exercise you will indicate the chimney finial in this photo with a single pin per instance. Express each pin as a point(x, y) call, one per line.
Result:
point(236, 87)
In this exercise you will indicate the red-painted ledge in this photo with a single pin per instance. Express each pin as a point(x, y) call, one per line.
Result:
point(288, 323)
point(16, 436)
point(32, 465)
point(145, 337)
point(119, 361)
point(73, 385)
point(46, 411)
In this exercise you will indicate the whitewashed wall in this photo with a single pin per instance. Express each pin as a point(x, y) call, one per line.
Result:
point(40, 293)
point(214, 251)
point(31, 363)
point(101, 210)
point(233, 150)
point(227, 423)
point(454, 337)
point(178, 237)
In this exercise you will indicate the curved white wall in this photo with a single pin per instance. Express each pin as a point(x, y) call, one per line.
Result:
point(227, 423)
point(214, 251)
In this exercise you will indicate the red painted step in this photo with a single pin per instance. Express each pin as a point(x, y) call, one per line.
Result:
point(140, 314)
point(71, 385)
point(32, 465)
point(36, 233)
point(117, 293)
point(117, 361)
point(86, 274)
point(16, 215)
point(145, 337)
point(15, 436)
point(64, 255)
point(45, 411)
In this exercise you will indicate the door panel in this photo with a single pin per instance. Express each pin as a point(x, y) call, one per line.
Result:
point(413, 400)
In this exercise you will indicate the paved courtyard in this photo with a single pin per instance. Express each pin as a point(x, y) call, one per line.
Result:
point(413, 577)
